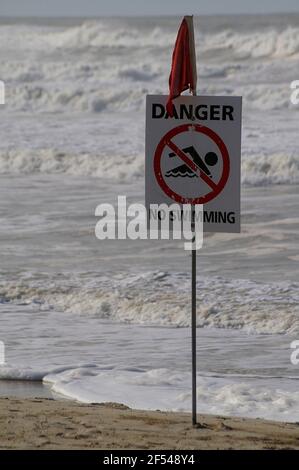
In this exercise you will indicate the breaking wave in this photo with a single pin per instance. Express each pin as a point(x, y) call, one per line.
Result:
point(259, 44)
point(51, 161)
point(256, 169)
point(117, 65)
point(163, 389)
point(265, 42)
point(127, 96)
point(102, 70)
point(270, 169)
point(161, 298)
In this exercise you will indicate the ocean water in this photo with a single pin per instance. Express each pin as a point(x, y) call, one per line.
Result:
point(109, 321)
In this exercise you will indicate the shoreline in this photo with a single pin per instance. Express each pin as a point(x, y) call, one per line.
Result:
point(23, 389)
point(45, 423)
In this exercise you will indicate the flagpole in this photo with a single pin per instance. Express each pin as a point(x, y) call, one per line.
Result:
point(189, 20)
point(178, 82)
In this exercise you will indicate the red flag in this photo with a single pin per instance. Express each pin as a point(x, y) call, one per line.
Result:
point(183, 68)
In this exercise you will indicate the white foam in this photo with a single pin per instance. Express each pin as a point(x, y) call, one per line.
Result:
point(84, 124)
point(168, 390)
point(116, 66)
point(269, 43)
point(144, 299)
point(257, 169)
point(99, 34)
point(165, 389)
point(51, 161)
point(270, 169)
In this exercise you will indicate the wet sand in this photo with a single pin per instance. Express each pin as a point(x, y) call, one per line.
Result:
point(40, 423)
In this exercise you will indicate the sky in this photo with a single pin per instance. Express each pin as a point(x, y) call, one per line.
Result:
point(142, 7)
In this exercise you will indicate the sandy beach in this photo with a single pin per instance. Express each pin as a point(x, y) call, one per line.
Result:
point(50, 424)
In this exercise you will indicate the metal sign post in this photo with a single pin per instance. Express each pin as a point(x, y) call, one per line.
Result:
point(193, 322)
point(193, 283)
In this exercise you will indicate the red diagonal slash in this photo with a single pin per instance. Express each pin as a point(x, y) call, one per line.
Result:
point(190, 164)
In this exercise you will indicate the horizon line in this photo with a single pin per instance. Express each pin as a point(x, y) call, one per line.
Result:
point(165, 15)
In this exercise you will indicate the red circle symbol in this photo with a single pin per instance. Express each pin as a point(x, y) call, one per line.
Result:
point(166, 141)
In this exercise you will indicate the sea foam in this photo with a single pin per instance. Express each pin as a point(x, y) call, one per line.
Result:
point(158, 298)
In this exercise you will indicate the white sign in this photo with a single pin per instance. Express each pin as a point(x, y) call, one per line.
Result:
point(194, 157)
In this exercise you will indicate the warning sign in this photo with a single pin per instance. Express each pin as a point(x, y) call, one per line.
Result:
point(194, 157)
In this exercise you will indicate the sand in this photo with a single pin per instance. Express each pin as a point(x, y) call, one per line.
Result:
point(52, 424)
